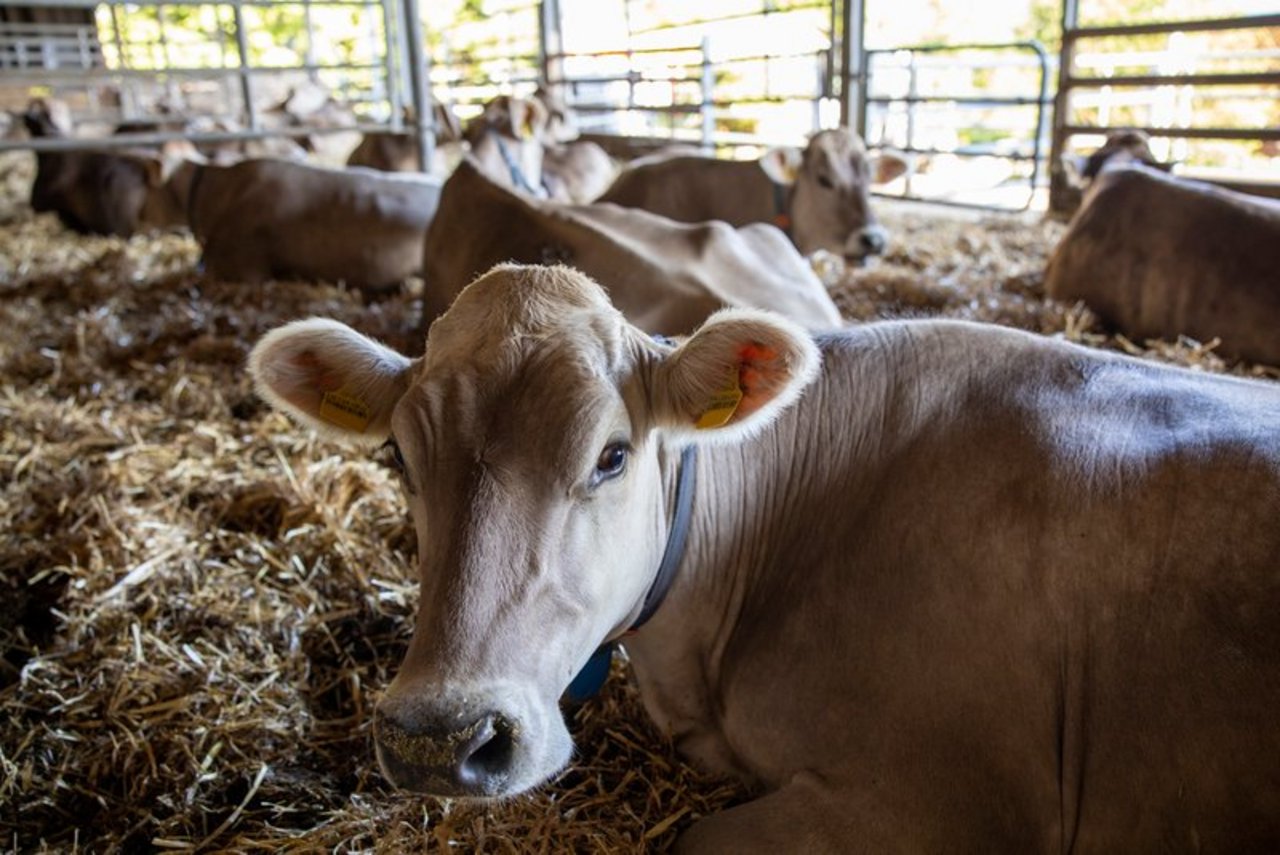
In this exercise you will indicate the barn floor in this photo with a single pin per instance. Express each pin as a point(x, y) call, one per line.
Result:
point(200, 603)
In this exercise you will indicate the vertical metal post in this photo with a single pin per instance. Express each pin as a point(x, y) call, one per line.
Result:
point(853, 65)
point(551, 43)
point(169, 90)
point(246, 87)
point(122, 61)
point(310, 56)
point(708, 98)
point(913, 91)
point(1059, 194)
point(423, 116)
point(392, 63)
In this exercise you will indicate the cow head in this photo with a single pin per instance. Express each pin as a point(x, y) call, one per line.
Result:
point(507, 141)
point(830, 187)
point(536, 439)
point(1121, 148)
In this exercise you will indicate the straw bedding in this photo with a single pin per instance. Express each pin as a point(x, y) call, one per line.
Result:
point(199, 603)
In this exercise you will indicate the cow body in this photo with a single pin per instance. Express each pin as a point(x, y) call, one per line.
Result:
point(819, 196)
point(1160, 256)
point(666, 276)
point(91, 191)
point(946, 586)
point(261, 219)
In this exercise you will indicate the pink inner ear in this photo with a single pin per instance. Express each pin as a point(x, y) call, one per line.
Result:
point(318, 375)
point(754, 363)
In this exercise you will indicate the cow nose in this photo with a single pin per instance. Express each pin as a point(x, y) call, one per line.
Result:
point(433, 757)
point(872, 240)
point(484, 758)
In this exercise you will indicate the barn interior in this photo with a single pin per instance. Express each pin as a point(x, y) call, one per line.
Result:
point(200, 602)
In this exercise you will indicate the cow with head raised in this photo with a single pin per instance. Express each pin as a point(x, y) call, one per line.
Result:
point(926, 585)
point(820, 196)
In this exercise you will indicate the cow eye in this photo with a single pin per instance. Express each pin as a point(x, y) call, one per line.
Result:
point(825, 181)
point(611, 462)
point(396, 459)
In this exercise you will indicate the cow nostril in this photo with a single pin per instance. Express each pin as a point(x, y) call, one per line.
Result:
point(872, 242)
point(485, 758)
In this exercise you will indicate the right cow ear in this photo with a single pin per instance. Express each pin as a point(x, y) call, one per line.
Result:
point(733, 376)
point(331, 378)
point(887, 166)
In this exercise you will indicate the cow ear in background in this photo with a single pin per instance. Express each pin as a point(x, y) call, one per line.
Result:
point(887, 166)
point(782, 164)
point(1075, 169)
point(331, 378)
point(733, 376)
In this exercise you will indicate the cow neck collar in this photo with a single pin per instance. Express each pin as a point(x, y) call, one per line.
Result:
point(592, 676)
point(781, 215)
point(686, 479)
point(517, 175)
point(191, 198)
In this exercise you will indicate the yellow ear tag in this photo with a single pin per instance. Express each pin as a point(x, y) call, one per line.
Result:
point(345, 410)
point(723, 404)
point(526, 127)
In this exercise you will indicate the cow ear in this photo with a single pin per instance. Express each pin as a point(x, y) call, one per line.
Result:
point(1075, 169)
point(733, 376)
point(782, 164)
point(331, 378)
point(887, 166)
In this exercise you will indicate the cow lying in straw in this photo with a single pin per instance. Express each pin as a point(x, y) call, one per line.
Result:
point(944, 586)
point(1161, 256)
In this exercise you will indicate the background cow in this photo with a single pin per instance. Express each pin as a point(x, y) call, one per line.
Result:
point(263, 219)
point(946, 586)
point(666, 276)
point(1159, 256)
point(820, 196)
point(99, 192)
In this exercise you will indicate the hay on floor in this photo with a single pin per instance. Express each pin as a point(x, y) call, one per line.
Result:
point(200, 603)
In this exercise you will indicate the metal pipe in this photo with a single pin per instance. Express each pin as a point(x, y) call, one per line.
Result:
point(156, 138)
point(1265, 78)
point(424, 116)
point(242, 51)
point(1261, 134)
point(1061, 195)
point(1199, 25)
point(708, 97)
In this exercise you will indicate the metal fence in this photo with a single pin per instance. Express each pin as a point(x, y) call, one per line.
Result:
point(111, 74)
point(1071, 82)
point(933, 103)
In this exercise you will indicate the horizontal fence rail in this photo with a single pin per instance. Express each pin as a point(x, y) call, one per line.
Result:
point(1072, 83)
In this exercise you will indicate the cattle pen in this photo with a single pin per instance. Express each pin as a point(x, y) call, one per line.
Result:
point(200, 604)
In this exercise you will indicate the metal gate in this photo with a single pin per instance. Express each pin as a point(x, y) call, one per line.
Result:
point(926, 119)
point(1070, 82)
point(121, 87)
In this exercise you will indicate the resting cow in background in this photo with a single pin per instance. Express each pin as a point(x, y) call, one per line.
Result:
point(1158, 256)
point(100, 192)
point(573, 170)
point(265, 219)
point(821, 196)
point(940, 587)
point(397, 151)
point(665, 276)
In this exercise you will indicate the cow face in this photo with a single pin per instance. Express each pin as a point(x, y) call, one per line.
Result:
point(830, 202)
point(536, 438)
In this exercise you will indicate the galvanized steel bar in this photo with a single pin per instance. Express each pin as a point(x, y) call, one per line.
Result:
point(419, 72)
point(242, 51)
point(1198, 25)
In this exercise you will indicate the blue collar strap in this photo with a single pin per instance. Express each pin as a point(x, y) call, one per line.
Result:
point(517, 176)
point(596, 671)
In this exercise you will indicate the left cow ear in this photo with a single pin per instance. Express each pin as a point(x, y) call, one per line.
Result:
point(331, 378)
point(733, 376)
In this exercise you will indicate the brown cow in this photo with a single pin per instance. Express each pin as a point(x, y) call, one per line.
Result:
point(263, 219)
point(666, 276)
point(820, 196)
point(102, 192)
point(925, 586)
point(1160, 256)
